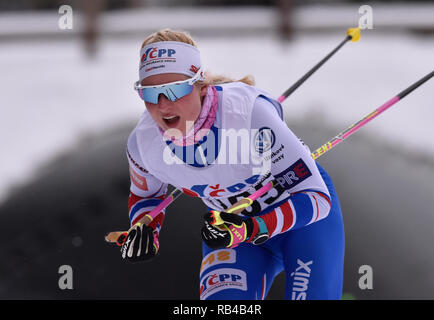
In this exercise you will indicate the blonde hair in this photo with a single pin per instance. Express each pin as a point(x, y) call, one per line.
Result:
point(183, 36)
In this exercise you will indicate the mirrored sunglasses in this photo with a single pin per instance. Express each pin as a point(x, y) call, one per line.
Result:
point(172, 90)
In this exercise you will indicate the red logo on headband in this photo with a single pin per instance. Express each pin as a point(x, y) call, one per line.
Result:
point(194, 69)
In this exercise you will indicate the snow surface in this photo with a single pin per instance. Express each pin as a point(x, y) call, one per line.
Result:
point(52, 95)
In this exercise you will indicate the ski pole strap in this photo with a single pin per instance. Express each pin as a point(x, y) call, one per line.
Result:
point(238, 234)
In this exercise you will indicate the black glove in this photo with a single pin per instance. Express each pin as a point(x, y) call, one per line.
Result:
point(232, 230)
point(214, 237)
point(141, 244)
point(223, 230)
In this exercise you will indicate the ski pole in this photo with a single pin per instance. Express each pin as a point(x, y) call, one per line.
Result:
point(356, 126)
point(353, 34)
point(119, 237)
point(246, 202)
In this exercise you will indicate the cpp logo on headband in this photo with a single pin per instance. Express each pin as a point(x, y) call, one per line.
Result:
point(155, 53)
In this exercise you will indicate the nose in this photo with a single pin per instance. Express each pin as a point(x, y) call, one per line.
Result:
point(163, 102)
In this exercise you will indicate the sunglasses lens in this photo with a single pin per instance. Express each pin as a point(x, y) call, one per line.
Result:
point(177, 91)
point(150, 94)
point(172, 92)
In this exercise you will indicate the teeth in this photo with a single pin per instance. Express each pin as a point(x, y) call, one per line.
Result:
point(169, 118)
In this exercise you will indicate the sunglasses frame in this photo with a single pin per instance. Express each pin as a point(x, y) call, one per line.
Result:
point(198, 76)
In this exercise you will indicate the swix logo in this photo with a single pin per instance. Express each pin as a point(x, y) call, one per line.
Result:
point(295, 174)
point(225, 278)
point(300, 282)
point(125, 248)
point(153, 53)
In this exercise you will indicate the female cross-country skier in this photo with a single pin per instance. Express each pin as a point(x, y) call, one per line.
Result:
point(221, 140)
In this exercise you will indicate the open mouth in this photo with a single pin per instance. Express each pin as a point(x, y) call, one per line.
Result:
point(171, 121)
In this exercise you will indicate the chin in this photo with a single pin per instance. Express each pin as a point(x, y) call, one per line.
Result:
point(176, 132)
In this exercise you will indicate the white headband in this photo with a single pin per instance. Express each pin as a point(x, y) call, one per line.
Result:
point(169, 57)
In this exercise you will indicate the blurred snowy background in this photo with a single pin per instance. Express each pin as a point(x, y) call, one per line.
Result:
point(65, 91)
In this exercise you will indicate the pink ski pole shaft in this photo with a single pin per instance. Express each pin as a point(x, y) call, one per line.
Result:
point(356, 126)
point(244, 203)
point(119, 237)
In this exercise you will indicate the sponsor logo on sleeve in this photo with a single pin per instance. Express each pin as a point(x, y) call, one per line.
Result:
point(294, 175)
point(138, 180)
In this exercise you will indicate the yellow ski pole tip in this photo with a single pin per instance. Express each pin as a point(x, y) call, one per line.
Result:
point(354, 33)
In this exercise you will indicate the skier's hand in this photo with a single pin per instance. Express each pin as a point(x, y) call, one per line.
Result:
point(228, 230)
point(223, 230)
point(140, 244)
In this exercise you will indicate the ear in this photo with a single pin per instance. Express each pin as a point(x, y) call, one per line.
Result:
point(203, 90)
